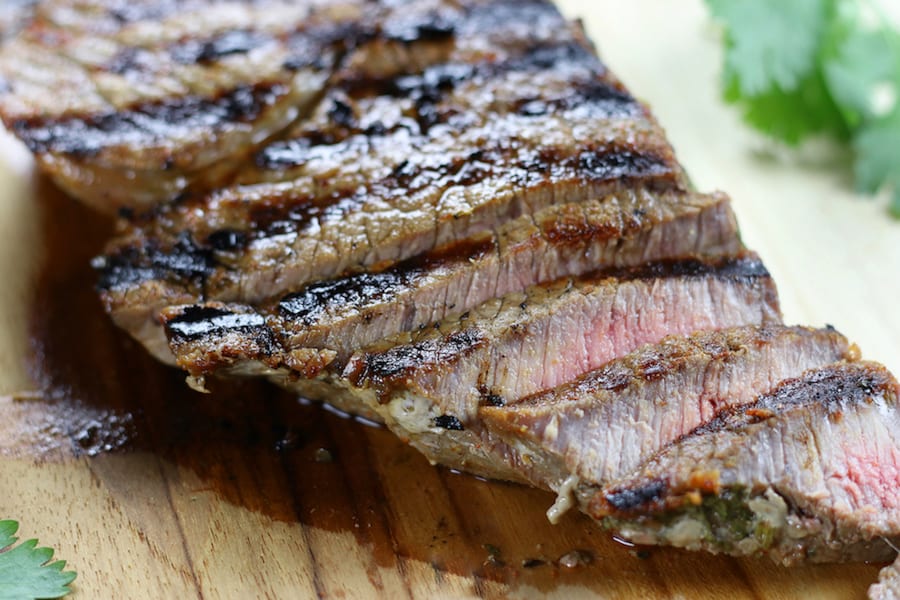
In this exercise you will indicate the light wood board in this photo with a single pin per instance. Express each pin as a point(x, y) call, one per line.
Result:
point(150, 491)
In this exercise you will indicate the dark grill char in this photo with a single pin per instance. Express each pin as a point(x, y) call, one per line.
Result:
point(604, 424)
point(82, 137)
point(342, 315)
point(819, 485)
point(364, 183)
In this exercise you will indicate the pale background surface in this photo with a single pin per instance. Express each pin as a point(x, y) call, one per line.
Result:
point(143, 525)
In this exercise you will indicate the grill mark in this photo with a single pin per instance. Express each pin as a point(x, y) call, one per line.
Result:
point(317, 300)
point(433, 26)
point(226, 240)
point(147, 123)
point(602, 99)
point(238, 41)
point(522, 169)
point(197, 322)
point(185, 263)
point(307, 46)
point(448, 422)
point(745, 267)
point(436, 80)
point(309, 305)
point(304, 210)
point(381, 366)
point(834, 388)
point(191, 51)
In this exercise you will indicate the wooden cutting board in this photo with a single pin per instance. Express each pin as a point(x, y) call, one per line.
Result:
point(150, 490)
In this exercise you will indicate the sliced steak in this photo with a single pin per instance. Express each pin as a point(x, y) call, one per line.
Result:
point(428, 385)
point(387, 170)
point(808, 472)
point(604, 424)
point(126, 104)
point(327, 321)
point(888, 586)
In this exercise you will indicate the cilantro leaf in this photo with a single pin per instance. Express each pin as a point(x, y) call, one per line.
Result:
point(771, 43)
point(808, 67)
point(878, 157)
point(791, 116)
point(26, 571)
point(857, 60)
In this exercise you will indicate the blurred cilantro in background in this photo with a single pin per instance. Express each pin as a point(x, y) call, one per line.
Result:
point(797, 68)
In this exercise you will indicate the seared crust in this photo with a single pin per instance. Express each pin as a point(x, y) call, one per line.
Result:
point(127, 106)
point(428, 384)
point(821, 487)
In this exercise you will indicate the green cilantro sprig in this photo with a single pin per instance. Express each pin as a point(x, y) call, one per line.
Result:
point(808, 67)
point(26, 571)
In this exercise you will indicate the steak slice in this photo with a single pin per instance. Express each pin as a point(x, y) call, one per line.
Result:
point(428, 385)
point(387, 169)
point(888, 586)
point(808, 472)
point(125, 104)
point(604, 424)
point(327, 321)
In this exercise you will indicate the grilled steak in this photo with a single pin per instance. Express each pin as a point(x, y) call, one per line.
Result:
point(600, 426)
point(129, 105)
point(327, 321)
point(808, 472)
point(126, 104)
point(428, 385)
point(377, 177)
point(448, 215)
point(888, 586)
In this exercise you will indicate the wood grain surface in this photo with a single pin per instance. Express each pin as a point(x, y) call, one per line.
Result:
point(150, 490)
